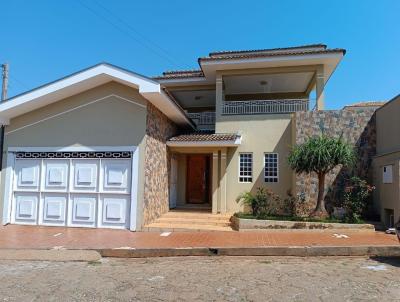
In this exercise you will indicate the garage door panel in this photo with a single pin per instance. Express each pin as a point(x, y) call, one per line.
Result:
point(26, 206)
point(116, 175)
point(27, 174)
point(54, 209)
point(83, 210)
point(85, 175)
point(56, 175)
point(113, 211)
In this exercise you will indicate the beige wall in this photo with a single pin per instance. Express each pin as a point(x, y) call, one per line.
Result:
point(388, 127)
point(102, 119)
point(387, 196)
point(260, 134)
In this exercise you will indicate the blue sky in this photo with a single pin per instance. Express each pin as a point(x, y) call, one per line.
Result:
point(45, 40)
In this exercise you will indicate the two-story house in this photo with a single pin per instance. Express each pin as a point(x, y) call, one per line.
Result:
point(106, 147)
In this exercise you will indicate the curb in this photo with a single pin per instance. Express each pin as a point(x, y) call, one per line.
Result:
point(299, 251)
point(49, 255)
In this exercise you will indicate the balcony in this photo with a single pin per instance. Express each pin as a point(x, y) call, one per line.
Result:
point(250, 107)
point(203, 120)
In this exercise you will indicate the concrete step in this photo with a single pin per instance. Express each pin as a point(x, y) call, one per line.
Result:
point(194, 221)
point(193, 215)
point(168, 227)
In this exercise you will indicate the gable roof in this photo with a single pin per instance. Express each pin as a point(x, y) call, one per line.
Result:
point(86, 79)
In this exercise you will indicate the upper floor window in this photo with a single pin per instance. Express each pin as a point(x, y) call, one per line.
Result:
point(271, 167)
point(245, 167)
point(387, 177)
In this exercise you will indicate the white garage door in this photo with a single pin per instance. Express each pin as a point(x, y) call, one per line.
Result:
point(77, 189)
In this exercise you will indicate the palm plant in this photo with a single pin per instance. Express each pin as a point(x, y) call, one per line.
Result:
point(320, 155)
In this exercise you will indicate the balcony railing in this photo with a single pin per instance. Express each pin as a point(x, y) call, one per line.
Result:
point(264, 106)
point(203, 120)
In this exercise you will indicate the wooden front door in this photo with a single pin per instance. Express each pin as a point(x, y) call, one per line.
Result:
point(197, 179)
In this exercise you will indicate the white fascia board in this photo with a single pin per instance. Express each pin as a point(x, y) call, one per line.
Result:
point(83, 81)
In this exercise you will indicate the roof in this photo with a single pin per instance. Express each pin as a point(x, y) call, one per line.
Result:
point(367, 104)
point(217, 53)
point(86, 79)
point(177, 74)
point(311, 49)
point(205, 139)
point(261, 54)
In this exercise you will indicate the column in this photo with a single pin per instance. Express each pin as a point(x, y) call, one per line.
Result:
point(223, 182)
point(215, 182)
point(219, 97)
point(319, 89)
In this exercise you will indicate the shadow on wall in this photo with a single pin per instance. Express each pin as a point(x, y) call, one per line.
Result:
point(357, 127)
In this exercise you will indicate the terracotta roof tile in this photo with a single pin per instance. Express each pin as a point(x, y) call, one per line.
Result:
point(205, 137)
point(294, 48)
point(177, 74)
point(367, 104)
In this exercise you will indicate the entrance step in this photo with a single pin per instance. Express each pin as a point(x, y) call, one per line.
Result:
point(189, 220)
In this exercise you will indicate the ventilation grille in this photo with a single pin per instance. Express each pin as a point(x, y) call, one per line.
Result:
point(105, 154)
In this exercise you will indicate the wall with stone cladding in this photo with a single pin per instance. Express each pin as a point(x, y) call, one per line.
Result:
point(355, 126)
point(157, 164)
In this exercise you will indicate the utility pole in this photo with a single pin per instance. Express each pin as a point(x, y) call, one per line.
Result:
point(4, 86)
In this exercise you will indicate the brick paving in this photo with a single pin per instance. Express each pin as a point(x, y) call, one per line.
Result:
point(36, 237)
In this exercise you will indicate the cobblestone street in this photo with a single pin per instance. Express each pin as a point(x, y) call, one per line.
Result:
point(203, 279)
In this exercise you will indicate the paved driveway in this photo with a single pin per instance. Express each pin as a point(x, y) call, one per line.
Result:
point(32, 237)
point(203, 279)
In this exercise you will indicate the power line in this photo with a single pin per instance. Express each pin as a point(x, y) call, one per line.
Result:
point(125, 32)
point(136, 31)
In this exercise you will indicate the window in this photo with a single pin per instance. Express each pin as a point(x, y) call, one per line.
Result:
point(271, 167)
point(245, 167)
point(387, 174)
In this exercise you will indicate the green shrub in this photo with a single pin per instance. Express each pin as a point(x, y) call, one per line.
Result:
point(262, 203)
point(355, 199)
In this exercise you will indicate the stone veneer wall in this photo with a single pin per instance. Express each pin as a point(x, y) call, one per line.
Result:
point(157, 164)
point(355, 126)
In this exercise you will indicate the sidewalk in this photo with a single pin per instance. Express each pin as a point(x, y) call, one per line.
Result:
point(123, 243)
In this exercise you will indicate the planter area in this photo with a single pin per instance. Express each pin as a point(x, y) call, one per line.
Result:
point(242, 224)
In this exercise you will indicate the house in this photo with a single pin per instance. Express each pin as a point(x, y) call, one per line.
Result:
point(386, 162)
point(106, 147)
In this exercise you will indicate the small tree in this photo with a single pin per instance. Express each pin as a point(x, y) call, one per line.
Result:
point(320, 155)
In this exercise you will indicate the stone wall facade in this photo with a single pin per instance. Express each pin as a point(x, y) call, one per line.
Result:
point(357, 127)
point(157, 164)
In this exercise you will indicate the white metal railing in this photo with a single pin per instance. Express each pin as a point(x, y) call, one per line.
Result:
point(203, 120)
point(264, 106)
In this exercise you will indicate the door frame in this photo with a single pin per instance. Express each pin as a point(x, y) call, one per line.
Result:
point(10, 175)
point(208, 181)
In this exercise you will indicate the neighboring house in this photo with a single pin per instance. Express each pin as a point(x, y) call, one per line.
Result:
point(386, 162)
point(106, 147)
point(365, 105)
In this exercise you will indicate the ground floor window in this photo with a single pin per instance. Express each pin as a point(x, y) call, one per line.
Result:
point(271, 167)
point(245, 167)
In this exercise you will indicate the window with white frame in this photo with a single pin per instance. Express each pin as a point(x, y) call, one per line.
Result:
point(387, 177)
point(271, 167)
point(245, 167)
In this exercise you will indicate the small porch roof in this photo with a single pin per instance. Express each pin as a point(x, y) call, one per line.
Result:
point(205, 140)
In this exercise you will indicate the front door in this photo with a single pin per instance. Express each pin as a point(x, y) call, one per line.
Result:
point(197, 179)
